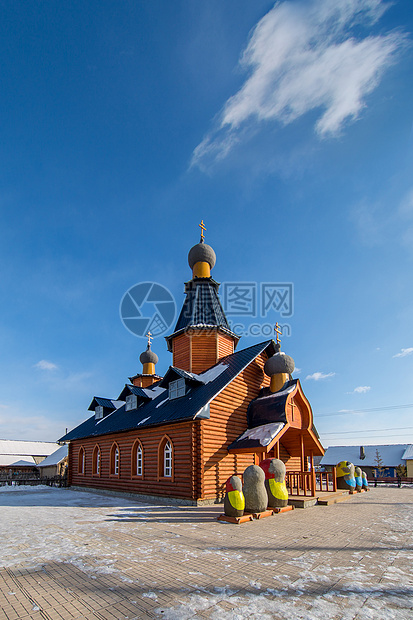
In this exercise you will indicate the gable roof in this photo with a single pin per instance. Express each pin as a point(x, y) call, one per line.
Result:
point(408, 454)
point(26, 448)
point(98, 401)
point(23, 463)
point(55, 458)
point(162, 410)
point(391, 455)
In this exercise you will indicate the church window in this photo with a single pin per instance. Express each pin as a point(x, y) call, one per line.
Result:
point(96, 461)
point(98, 412)
point(114, 460)
point(131, 402)
point(167, 460)
point(137, 459)
point(177, 388)
point(81, 461)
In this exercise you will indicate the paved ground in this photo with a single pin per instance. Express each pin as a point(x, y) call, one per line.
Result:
point(66, 554)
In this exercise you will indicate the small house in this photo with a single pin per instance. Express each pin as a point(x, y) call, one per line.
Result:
point(375, 460)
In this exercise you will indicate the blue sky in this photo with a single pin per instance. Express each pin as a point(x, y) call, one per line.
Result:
point(287, 128)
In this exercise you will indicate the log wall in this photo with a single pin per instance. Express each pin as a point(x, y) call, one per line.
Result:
point(183, 483)
point(229, 420)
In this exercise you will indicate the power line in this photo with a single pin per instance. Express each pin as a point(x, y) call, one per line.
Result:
point(370, 436)
point(370, 430)
point(353, 411)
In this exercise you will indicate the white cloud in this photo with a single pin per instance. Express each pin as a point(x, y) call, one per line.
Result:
point(303, 56)
point(45, 365)
point(297, 371)
point(404, 352)
point(361, 389)
point(317, 376)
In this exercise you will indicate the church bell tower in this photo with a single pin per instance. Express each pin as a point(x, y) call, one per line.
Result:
point(202, 335)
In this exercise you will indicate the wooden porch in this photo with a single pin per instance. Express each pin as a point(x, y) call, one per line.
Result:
point(310, 483)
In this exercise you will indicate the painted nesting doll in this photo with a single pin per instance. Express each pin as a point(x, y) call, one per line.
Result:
point(234, 501)
point(359, 478)
point(345, 476)
point(256, 497)
point(365, 481)
point(274, 471)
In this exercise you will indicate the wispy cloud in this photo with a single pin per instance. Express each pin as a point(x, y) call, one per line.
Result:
point(304, 56)
point(361, 389)
point(317, 376)
point(45, 365)
point(404, 352)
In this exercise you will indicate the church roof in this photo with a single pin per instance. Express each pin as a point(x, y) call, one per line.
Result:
point(202, 307)
point(163, 410)
point(266, 418)
point(269, 407)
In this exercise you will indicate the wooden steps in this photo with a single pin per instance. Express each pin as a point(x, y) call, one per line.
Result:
point(333, 498)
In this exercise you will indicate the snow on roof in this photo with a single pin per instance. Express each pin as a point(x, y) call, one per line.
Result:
point(391, 455)
point(23, 463)
point(29, 448)
point(55, 458)
point(408, 454)
point(10, 459)
point(264, 433)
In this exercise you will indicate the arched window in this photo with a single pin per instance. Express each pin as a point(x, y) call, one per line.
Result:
point(96, 461)
point(137, 459)
point(115, 460)
point(166, 458)
point(81, 461)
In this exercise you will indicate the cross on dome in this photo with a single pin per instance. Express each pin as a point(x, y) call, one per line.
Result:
point(278, 331)
point(203, 228)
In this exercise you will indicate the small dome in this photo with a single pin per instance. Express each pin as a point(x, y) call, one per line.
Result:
point(278, 363)
point(148, 357)
point(201, 252)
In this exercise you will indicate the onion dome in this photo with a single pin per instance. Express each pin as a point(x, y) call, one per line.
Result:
point(201, 253)
point(279, 363)
point(148, 356)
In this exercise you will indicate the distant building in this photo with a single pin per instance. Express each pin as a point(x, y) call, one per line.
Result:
point(366, 457)
point(18, 457)
point(408, 457)
point(24, 453)
point(55, 464)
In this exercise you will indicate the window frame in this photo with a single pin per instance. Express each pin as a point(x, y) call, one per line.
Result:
point(81, 461)
point(115, 462)
point(162, 461)
point(177, 388)
point(99, 413)
point(134, 459)
point(131, 402)
point(96, 461)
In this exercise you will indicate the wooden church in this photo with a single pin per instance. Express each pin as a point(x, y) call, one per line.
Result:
point(216, 410)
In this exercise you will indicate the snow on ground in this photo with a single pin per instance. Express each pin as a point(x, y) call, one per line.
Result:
point(288, 566)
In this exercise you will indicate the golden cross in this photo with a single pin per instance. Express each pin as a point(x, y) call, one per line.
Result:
point(150, 337)
point(202, 227)
point(278, 331)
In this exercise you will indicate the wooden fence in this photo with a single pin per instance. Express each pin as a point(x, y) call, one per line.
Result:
point(386, 480)
point(29, 480)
